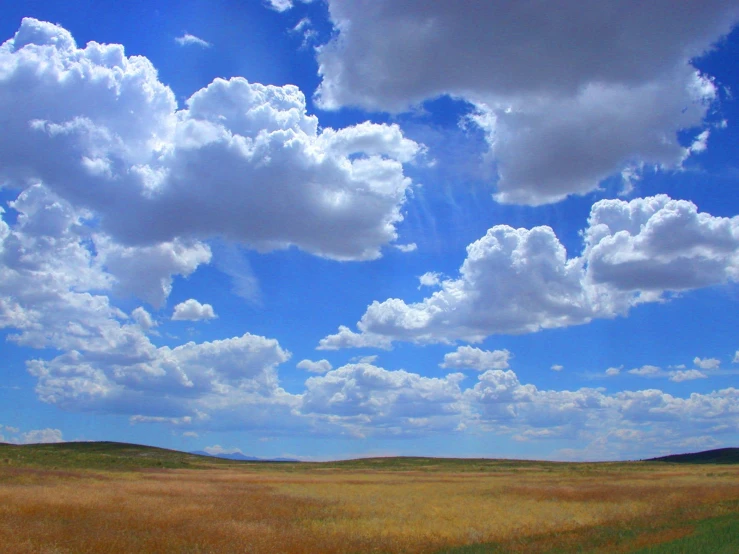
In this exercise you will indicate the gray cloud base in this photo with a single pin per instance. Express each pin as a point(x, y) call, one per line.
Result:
point(568, 94)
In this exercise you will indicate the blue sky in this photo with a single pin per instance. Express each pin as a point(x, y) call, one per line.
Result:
point(332, 229)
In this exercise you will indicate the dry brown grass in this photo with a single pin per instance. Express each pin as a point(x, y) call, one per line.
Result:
point(313, 511)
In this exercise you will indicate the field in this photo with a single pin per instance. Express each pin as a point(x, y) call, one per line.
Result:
point(106, 497)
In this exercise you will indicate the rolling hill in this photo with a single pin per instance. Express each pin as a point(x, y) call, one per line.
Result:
point(718, 456)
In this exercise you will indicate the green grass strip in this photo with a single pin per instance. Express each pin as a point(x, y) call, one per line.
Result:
point(716, 535)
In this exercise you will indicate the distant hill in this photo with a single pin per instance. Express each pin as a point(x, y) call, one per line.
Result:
point(719, 456)
point(104, 455)
point(239, 457)
point(123, 456)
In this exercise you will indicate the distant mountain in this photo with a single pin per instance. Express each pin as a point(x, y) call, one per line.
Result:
point(238, 456)
point(719, 456)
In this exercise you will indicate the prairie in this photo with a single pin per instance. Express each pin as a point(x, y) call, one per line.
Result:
point(51, 502)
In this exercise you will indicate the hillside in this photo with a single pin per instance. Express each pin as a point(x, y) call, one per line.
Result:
point(102, 455)
point(718, 456)
point(123, 456)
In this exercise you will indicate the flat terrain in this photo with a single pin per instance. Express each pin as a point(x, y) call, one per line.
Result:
point(106, 497)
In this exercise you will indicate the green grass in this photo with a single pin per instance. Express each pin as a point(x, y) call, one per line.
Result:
point(716, 535)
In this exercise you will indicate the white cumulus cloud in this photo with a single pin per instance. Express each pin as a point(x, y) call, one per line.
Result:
point(321, 366)
point(102, 132)
point(474, 358)
point(522, 280)
point(686, 375)
point(646, 371)
point(192, 310)
point(430, 279)
point(707, 363)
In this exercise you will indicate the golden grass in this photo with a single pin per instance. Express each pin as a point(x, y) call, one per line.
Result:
point(314, 511)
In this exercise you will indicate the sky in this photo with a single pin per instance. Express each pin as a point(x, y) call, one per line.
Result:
point(340, 228)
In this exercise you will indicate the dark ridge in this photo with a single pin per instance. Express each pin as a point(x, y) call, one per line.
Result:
point(718, 456)
point(101, 455)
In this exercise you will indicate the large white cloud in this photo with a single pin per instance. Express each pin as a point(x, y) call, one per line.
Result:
point(242, 160)
point(657, 243)
point(569, 94)
point(521, 280)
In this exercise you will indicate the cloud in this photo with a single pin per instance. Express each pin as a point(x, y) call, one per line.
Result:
point(144, 319)
point(613, 371)
point(280, 5)
point(736, 358)
point(57, 293)
point(675, 375)
point(191, 40)
point(646, 371)
point(101, 131)
point(364, 399)
point(183, 386)
point(346, 338)
point(305, 28)
point(557, 367)
point(53, 283)
point(521, 280)
point(545, 81)
point(707, 363)
point(217, 450)
point(474, 358)
point(411, 247)
point(192, 310)
point(321, 366)
point(430, 279)
point(230, 260)
point(364, 359)
point(686, 375)
point(146, 272)
point(656, 243)
point(42, 436)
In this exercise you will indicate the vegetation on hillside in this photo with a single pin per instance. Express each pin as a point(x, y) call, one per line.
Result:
point(718, 456)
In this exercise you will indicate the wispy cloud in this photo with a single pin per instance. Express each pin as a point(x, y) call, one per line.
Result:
point(191, 40)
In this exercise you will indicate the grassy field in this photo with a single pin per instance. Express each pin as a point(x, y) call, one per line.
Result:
point(103, 497)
